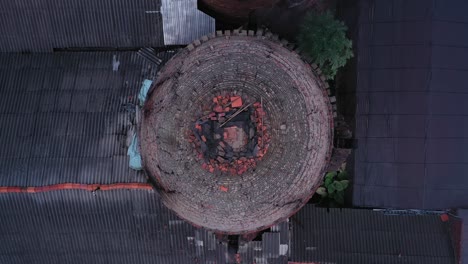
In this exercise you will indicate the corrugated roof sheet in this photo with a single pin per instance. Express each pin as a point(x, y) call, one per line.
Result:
point(102, 227)
point(271, 244)
point(183, 22)
point(29, 25)
point(410, 114)
point(364, 236)
point(65, 117)
point(463, 213)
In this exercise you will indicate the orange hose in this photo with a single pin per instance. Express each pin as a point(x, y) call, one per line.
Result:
point(77, 186)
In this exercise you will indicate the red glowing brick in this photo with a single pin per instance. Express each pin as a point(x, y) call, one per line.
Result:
point(236, 101)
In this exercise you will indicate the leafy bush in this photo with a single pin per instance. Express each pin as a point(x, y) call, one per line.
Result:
point(324, 39)
point(333, 188)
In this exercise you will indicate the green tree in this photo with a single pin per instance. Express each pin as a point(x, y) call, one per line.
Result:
point(324, 39)
point(333, 188)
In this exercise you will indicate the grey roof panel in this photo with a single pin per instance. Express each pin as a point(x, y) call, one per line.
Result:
point(394, 56)
point(271, 244)
point(450, 179)
point(452, 11)
point(364, 236)
point(410, 104)
point(398, 126)
point(411, 10)
point(45, 25)
point(79, 226)
point(450, 34)
point(380, 150)
point(390, 197)
point(446, 150)
point(445, 199)
point(446, 80)
point(409, 150)
point(405, 175)
point(449, 57)
point(403, 79)
point(183, 22)
point(67, 128)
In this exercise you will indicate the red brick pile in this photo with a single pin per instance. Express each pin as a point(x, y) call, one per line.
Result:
point(221, 110)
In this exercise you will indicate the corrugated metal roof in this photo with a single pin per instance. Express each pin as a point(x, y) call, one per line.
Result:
point(364, 236)
point(119, 226)
point(65, 117)
point(183, 22)
point(271, 244)
point(463, 213)
point(410, 113)
point(150, 54)
point(103, 227)
point(29, 25)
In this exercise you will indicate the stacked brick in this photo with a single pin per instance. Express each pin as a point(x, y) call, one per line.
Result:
point(232, 151)
point(288, 95)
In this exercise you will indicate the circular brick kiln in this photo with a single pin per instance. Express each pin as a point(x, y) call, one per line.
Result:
point(237, 132)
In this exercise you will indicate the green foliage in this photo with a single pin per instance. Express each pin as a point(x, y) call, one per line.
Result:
point(333, 188)
point(324, 39)
point(343, 175)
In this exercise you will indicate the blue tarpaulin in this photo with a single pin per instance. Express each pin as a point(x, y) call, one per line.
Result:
point(144, 91)
point(133, 151)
